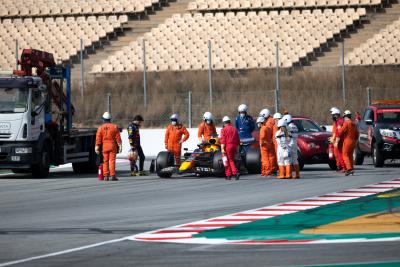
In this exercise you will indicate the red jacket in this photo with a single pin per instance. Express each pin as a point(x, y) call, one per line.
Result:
point(229, 136)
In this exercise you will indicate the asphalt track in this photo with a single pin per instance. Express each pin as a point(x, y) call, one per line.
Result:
point(65, 212)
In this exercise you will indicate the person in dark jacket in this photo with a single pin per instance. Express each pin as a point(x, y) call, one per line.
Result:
point(244, 123)
point(136, 148)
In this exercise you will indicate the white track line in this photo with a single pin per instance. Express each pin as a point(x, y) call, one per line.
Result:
point(62, 252)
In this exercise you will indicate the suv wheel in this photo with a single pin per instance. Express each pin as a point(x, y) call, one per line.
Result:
point(377, 156)
point(358, 156)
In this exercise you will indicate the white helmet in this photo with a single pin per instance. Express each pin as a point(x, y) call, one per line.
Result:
point(265, 113)
point(334, 111)
point(278, 116)
point(282, 123)
point(260, 119)
point(106, 116)
point(174, 117)
point(226, 119)
point(242, 108)
point(208, 116)
point(287, 118)
point(347, 112)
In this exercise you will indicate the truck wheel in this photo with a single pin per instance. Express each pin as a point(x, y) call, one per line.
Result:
point(253, 161)
point(42, 169)
point(164, 159)
point(377, 156)
point(332, 165)
point(358, 156)
point(218, 165)
point(86, 167)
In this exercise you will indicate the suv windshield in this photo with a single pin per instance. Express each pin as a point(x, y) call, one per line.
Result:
point(13, 100)
point(307, 126)
point(389, 116)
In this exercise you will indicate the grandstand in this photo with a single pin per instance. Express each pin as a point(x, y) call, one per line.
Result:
point(242, 32)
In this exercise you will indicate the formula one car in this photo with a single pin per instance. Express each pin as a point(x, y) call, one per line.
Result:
point(206, 160)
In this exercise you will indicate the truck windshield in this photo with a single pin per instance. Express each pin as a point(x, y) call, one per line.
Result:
point(13, 100)
point(389, 117)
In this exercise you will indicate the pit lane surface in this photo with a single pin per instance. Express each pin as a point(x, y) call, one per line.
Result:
point(67, 211)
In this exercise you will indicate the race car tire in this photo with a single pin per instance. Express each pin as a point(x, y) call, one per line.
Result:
point(218, 166)
point(253, 161)
point(164, 159)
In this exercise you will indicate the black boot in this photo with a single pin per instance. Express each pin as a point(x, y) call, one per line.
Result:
point(237, 176)
point(113, 178)
point(106, 178)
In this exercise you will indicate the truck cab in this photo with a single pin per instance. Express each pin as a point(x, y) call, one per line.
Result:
point(36, 114)
point(379, 133)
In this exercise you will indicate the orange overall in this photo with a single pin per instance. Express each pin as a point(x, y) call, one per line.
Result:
point(173, 140)
point(274, 159)
point(267, 148)
point(109, 139)
point(338, 151)
point(349, 134)
point(206, 131)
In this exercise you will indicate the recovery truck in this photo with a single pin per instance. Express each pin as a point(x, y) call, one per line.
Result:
point(36, 119)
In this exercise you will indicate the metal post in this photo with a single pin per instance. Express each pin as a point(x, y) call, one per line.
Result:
point(16, 54)
point(69, 105)
point(277, 80)
point(210, 73)
point(343, 77)
point(144, 75)
point(109, 107)
point(190, 109)
point(82, 71)
point(369, 99)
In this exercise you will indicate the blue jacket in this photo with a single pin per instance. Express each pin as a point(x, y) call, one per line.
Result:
point(245, 126)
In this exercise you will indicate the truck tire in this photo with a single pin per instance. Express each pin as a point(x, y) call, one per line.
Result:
point(358, 156)
point(86, 167)
point(377, 156)
point(42, 169)
point(164, 159)
point(218, 166)
point(253, 161)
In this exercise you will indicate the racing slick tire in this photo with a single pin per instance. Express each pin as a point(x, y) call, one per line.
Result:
point(217, 164)
point(358, 156)
point(253, 161)
point(164, 159)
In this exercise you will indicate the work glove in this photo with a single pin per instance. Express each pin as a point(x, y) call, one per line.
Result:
point(97, 149)
point(120, 148)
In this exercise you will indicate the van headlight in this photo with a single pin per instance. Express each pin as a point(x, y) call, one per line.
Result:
point(387, 133)
point(23, 150)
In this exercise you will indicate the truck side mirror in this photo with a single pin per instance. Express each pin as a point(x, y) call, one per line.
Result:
point(369, 122)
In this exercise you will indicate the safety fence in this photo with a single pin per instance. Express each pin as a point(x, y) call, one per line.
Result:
point(191, 105)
